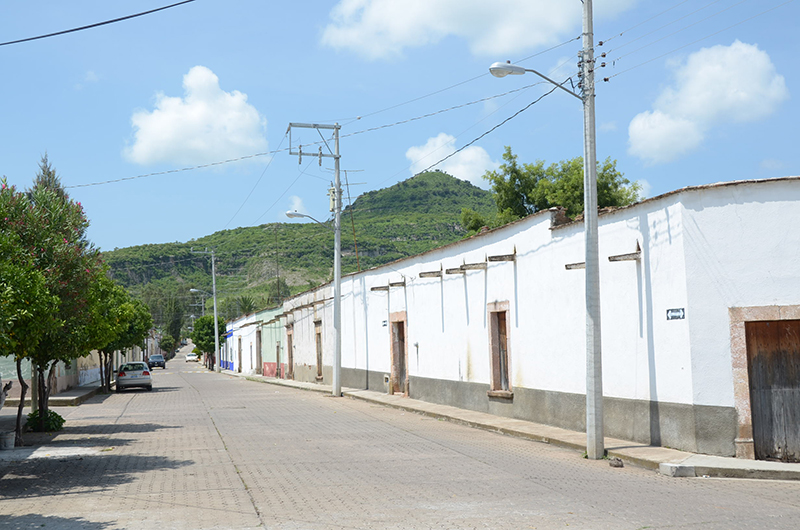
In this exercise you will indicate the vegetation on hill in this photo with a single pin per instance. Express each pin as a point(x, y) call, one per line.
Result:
point(402, 220)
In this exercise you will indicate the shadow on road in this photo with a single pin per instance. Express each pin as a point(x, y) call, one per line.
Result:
point(14, 522)
point(41, 477)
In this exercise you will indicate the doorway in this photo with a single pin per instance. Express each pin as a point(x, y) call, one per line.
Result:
point(773, 363)
point(239, 357)
point(318, 342)
point(399, 378)
point(259, 357)
point(289, 352)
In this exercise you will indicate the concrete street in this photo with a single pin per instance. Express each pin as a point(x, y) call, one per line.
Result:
point(206, 450)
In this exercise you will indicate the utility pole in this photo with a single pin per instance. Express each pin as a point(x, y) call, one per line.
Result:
point(594, 365)
point(214, 293)
point(337, 251)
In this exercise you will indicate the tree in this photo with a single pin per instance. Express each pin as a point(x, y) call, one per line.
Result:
point(119, 322)
point(27, 308)
point(60, 250)
point(521, 190)
point(203, 334)
point(167, 343)
point(277, 291)
point(167, 303)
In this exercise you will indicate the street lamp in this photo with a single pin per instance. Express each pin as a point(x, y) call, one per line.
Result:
point(336, 383)
point(216, 325)
point(594, 371)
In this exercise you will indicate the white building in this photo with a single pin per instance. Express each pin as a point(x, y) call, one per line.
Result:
point(700, 298)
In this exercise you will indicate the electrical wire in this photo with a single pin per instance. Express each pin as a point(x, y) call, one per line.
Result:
point(657, 29)
point(98, 24)
point(529, 105)
point(442, 111)
point(254, 186)
point(604, 41)
point(352, 119)
point(179, 170)
point(300, 174)
point(606, 79)
point(678, 31)
point(231, 160)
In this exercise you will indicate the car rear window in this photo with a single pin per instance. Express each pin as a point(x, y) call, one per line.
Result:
point(133, 367)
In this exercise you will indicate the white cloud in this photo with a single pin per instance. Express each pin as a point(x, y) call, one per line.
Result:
point(608, 126)
point(469, 164)
point(296, 205)
point(206, 125)
point(772, 164)
point(657, 137)
point(88, 78)
point(717, 85)
point(646, 190)
point(378, 29)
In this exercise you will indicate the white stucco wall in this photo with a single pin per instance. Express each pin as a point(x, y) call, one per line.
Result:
point(742, 248)
point(702, 249)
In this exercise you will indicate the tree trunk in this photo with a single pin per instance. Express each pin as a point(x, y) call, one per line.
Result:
point(103, 387)
point(23, 390)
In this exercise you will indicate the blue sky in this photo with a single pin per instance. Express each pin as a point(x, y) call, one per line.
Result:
point(700, 92)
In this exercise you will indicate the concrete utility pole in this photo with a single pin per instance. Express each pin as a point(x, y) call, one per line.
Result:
point(214, 294)
point(336, 383)
point(594, 364)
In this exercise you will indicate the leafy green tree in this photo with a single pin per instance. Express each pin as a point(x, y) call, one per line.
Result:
point(167, 343)
point(277, 291)
point(521, 190)
point(60, 249)
point(203, 334)
point(246, 304)
point(119, 322)
point(27, 308)
point(168, 305)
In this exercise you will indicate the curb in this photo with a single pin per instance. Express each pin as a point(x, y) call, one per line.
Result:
point(668, 462)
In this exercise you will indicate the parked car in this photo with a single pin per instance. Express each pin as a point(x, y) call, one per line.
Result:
point(134, 374)
point(192, 357)
point(157, 360)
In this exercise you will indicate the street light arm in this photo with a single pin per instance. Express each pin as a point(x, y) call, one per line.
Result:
point(504, 69)
point(294, 214)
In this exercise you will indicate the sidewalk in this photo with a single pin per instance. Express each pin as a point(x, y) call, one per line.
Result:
point(68, 398)
point(670, 462)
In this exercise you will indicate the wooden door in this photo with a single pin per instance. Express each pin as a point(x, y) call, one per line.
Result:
point(289, 354)
point(773, 362)
point(400, 375)
point(239, 357)
point(259, 357)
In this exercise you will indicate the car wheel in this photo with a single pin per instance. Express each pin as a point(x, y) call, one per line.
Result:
point(149, 388)
point(118, 389)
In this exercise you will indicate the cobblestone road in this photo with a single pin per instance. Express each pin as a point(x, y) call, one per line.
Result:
point(205, 450)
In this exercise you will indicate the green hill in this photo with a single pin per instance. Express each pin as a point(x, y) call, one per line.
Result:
point(408, 218)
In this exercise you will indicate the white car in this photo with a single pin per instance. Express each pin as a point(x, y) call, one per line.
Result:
point(134, 374)
point(192, 357)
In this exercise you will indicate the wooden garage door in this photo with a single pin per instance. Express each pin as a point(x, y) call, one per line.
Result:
point(773, 361)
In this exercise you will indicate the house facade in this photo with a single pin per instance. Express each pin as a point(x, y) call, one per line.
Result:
point(700, 300)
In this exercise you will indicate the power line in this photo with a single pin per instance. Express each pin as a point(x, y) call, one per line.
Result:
point(696, 41)
point(601, 43)
point(678, 31)
point(529, 105)
point(254, 186)
point(430, 114)
point(350, 120)
point(98, 24)
point(179, 170)
point(604, 41)
point(300, 174)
